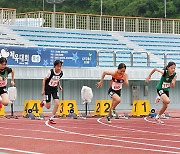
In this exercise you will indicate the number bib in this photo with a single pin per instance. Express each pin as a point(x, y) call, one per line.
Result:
point(116, 86)
point(3, 83)
point(166, 85)
point(54, 81)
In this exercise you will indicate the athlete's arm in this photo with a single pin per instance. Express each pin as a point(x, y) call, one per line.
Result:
point(151, 73)
point(12, 78)
point(126, 82)
point(60, 87)
point(43, 85)
point(173, 82)
point(100, 83)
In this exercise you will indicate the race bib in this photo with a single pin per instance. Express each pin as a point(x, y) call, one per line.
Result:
point(116, 86)
point(166, 85)
point(3, 83)
point(53, 83)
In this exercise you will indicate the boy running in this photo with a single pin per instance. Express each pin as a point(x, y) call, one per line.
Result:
point(50, 85)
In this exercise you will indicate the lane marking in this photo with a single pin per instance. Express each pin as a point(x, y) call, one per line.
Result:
point(22, 151)
point(146, 119)
point(105, 138)
point(136, 130)
point(88, 143)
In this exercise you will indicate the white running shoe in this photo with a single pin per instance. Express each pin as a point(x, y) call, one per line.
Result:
point(113, 113)
point(158, 119)
point(108, 119)
point(163, 116)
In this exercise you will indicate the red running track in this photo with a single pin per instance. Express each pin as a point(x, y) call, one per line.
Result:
point(93, 135)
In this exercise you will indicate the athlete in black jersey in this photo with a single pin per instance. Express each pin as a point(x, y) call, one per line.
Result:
point(4, 71)
point(50, 85)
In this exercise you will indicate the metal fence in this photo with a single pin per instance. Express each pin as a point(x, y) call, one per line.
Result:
point(136, 59)
point(107, 23)
point(90, 21)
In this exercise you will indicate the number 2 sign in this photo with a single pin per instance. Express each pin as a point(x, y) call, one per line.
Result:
point(102, 107)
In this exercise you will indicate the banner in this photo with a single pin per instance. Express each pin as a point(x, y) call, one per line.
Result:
point(33, 56)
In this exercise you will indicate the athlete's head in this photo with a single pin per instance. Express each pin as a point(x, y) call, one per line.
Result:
point(57, 66)
point(3, 62)
point(171, 67)
point(121, 68)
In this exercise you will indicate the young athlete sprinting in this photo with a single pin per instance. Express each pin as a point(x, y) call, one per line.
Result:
point(50, 85)
point(118, 78)
point(4, 71)
point(168, 79)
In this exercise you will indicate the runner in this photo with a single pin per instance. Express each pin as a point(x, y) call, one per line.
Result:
point(118, 78)
point(4, 71)
point(168, 79)
point(50, 85)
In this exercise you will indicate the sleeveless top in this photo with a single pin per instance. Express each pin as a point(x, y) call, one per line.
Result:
point(3, 76)
point(165, 81)
point(117, 81)
point(53, 80)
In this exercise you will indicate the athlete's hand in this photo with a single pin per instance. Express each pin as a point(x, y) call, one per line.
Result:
point(42, 92)
point(99, 84)
point(60, 88)
point(147, 79)
point(12, 83)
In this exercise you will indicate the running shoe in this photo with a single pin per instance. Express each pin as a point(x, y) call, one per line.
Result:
point(113, 112)
point(42, 103)
point(51, 121)
point(108, 119)
point(158, 119)
point(163, 116)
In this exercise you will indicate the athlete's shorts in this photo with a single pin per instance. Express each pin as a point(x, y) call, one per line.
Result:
point(3, 90)
point(48, 94)
point(111, 92)
point(160, 92)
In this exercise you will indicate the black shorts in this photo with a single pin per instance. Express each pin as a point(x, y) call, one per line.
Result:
point(3, 90)
point(111, 92)
point(160, 92)
point(54, 93)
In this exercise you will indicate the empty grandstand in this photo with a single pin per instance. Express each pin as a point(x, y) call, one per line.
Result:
point(141, 43)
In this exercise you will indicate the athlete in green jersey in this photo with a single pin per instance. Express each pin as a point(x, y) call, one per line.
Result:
point(4, 71)
point(167, 80)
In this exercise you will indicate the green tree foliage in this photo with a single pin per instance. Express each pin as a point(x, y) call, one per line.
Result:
point(141, 8)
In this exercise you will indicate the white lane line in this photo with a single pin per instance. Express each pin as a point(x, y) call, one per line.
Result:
point(87, 143)
point(106, 138)
point(137, 138)
point(140, 138)
point(146, 119)
point(21, 151)
point(137, 130)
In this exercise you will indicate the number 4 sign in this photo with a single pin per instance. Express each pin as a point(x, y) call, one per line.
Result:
point(33, 105)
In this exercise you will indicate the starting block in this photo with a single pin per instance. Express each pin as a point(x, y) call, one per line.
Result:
point(102, 107)
point(124, 116)
point(67, 108)
point(2, 111)
point(32, 109)
point(140, 108)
